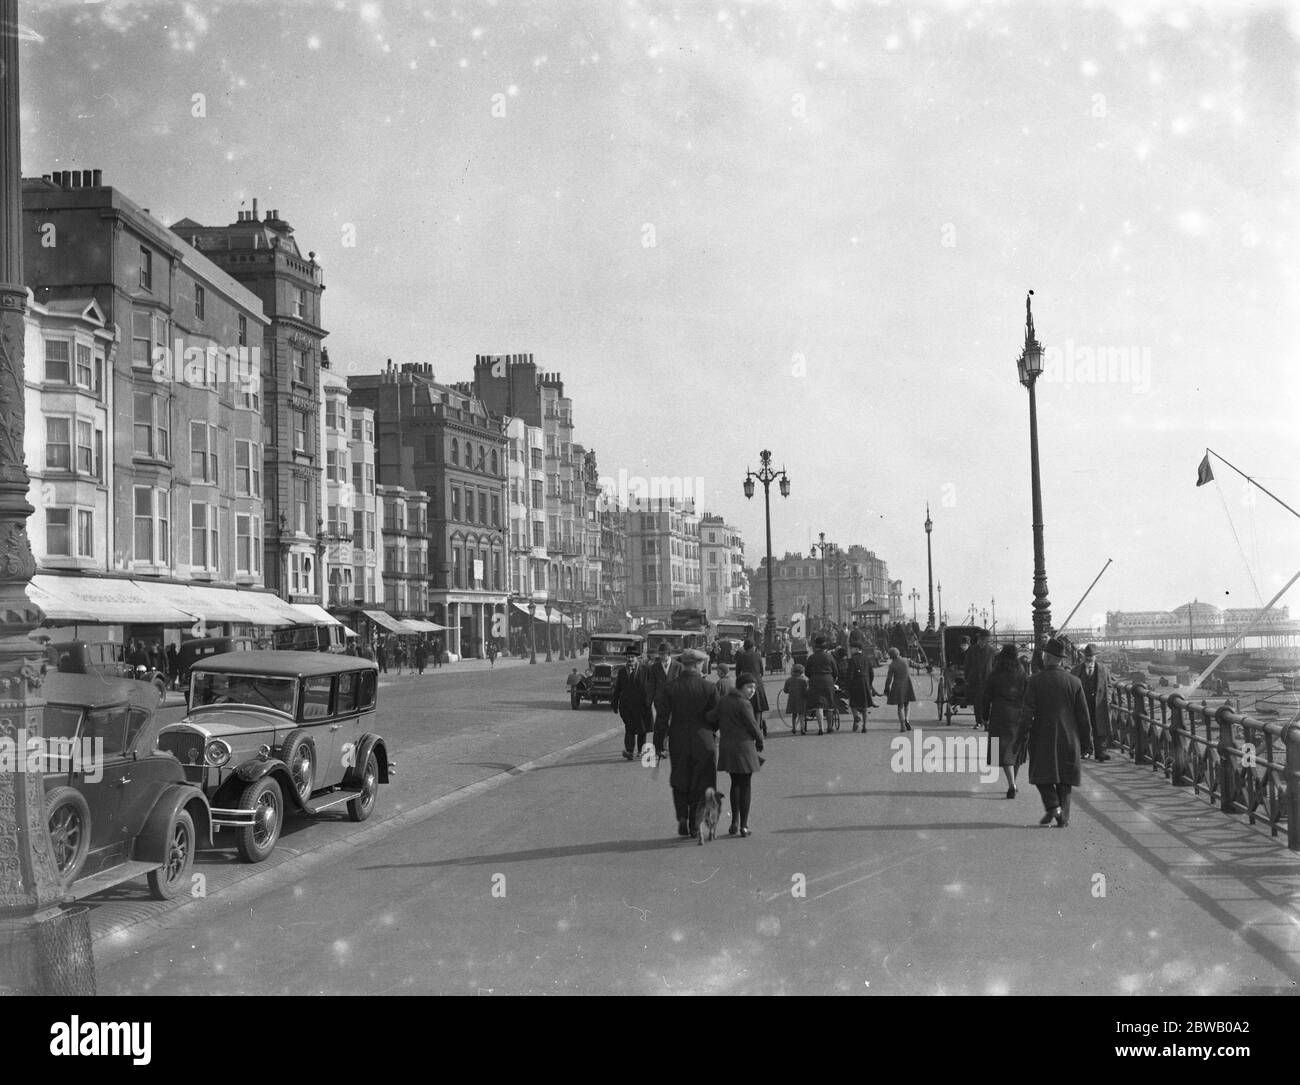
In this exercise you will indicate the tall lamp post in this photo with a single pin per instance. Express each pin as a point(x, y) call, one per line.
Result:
point(914, 596)
point(765, 475)
point(36, 956)
point(838, 564)
point(929, 570)
point(1030, 366)
point(994, 604)
point(818, 550)
point(939, 588)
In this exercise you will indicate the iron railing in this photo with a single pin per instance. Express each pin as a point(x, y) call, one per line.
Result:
point(1241, 764)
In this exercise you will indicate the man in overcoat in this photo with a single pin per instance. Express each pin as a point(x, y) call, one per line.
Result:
point(979, 665)
point(632, 703)
point(1092, 672)
point(1059, 730)
point(662, 670)
point(680, 710)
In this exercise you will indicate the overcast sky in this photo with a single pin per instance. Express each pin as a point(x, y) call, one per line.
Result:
point(804, 227)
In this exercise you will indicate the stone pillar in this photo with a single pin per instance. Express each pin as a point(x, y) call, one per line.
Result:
point(31, 962)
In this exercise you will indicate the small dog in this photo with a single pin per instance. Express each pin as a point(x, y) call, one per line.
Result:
point(710, 814)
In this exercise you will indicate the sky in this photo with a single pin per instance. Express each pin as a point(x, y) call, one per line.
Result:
point(809, 228)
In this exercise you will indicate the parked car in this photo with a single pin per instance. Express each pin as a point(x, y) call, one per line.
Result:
point(116, 807)
point(105, 658)
point(191, 651)
point(678, 640)
point(608, 652)
point(273, 731)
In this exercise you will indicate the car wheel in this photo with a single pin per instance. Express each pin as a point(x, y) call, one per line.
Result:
point(68, 818)
point(298, 752)
point(363, 805)
point(255, 842)
point(169, 879)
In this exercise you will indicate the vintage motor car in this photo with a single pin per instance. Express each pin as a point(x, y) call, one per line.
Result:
point(106, 658)
point(605, 655)
point(191, 651)
point(271, 732)
point(116, 807)
point(678, 640)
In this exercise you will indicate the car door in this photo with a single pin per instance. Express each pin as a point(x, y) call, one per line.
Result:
point(356, 697)
point(316, 717)
point(102, 773)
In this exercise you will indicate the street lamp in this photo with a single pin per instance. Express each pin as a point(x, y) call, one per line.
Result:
point(994, 604)
point(1030, 367)
point(914, 596)
point(939, 588)
point(838, 564)
point(929, 570)
point(818, 550)
point(765, 475)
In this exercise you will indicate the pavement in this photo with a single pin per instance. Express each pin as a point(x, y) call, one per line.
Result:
point(518, 853)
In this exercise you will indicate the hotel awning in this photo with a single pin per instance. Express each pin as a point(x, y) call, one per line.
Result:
point(386, 620)
point(313, 613)
point(541, 616)
point(107, 600)
point(421, 626)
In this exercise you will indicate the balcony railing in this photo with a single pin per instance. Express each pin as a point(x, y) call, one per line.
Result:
point(1240, 764)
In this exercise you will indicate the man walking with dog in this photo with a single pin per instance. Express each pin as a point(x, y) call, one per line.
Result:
point(681, 707)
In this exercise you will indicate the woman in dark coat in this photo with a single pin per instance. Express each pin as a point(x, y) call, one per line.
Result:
point(859, 682)
point(739, 745)
point(749, 661)
point(822, 674)
point(1002, 704)
point(898, 688)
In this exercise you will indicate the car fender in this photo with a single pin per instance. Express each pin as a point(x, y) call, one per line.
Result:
point(151, 842)
point(250, 772)
point(366, 745)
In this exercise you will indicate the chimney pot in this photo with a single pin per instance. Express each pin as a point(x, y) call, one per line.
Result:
point(74, 178)
point(254, 208)
point(98, 178)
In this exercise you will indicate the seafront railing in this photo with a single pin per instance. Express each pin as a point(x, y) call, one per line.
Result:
point(1236, 762)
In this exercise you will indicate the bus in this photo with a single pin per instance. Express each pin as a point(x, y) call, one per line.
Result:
point(689, 618)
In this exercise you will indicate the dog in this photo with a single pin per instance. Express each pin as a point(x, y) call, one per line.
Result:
point(710, 814)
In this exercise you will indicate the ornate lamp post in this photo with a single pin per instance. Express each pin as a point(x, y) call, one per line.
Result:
point(929, 570)
point(819, 551)
point(1030, 366)
point(837, 564)
point(914, 596)
point(939, 588)
point(31, 961)
point(532, 630)
point(994, 604)
point(765, 475)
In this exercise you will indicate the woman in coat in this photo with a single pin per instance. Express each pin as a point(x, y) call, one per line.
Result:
point(749, 661)
point(898, 688)
point(1002, 704)
point(822, 674)
point(739, 745)
point(859, 685)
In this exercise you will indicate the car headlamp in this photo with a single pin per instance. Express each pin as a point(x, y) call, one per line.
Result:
point(217, 752)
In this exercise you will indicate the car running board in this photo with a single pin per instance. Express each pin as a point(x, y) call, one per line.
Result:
point(334, 798)
point(106, 879)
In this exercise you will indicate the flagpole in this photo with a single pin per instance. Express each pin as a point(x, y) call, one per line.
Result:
point(1243, 474)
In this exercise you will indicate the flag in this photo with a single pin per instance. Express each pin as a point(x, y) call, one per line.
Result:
point(1203, 472)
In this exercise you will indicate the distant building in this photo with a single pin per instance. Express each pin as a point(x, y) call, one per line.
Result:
point(802, 584)
point(722, 564)
point(663, 558)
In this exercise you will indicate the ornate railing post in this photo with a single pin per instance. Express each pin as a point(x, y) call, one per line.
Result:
point(1178, 740)
point(1292, 740)
point(1226, 771)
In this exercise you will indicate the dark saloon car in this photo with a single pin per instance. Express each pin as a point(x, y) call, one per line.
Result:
point(116, 807)
point(269, 732)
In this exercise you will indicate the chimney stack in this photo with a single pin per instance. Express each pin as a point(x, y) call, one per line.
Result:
point(254, 216)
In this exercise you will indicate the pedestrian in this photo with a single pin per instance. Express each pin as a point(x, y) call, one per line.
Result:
point(722, 680)
point(1095, 677)
point(796, 694)
point(492, 653)
point(858, 681)
point(739, 746)
point(1060, 733)
point(572, 680)
point(632, 702)
point(173, 664)
point(421, 657)
point(139, 658)
point(856, 639)
point(399, 655)
point(381, 656)
point(822, 674)
point(1002, 704)
point(681, 709)
point(437, 652)
point(978, 666)
point(750, 662)
point(663, 670)
point(898, 688)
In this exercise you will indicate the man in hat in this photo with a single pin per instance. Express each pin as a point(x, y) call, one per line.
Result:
point(1060, 732)
point(978, 667)
point(1092, 672)
point(632, 702)
point(680, 708)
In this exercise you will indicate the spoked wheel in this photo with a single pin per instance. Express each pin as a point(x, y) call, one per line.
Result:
point(363, 805)
point(169, 879)
point(299, 753)
point(68, 817)
point(255, 842)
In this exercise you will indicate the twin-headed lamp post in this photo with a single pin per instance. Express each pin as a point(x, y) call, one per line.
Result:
point(765, 474)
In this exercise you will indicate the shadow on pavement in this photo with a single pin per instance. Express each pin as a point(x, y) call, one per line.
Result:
point(597, 848)
point(910, 827)
point(903, 794)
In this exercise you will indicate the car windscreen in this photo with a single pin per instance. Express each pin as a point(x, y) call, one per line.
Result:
point(601, 647)
point(257, 690)
point(60, 721)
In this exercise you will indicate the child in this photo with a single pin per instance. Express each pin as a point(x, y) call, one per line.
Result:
point(796, 692)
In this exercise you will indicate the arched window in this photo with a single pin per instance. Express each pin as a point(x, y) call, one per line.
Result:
point(455, 451)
